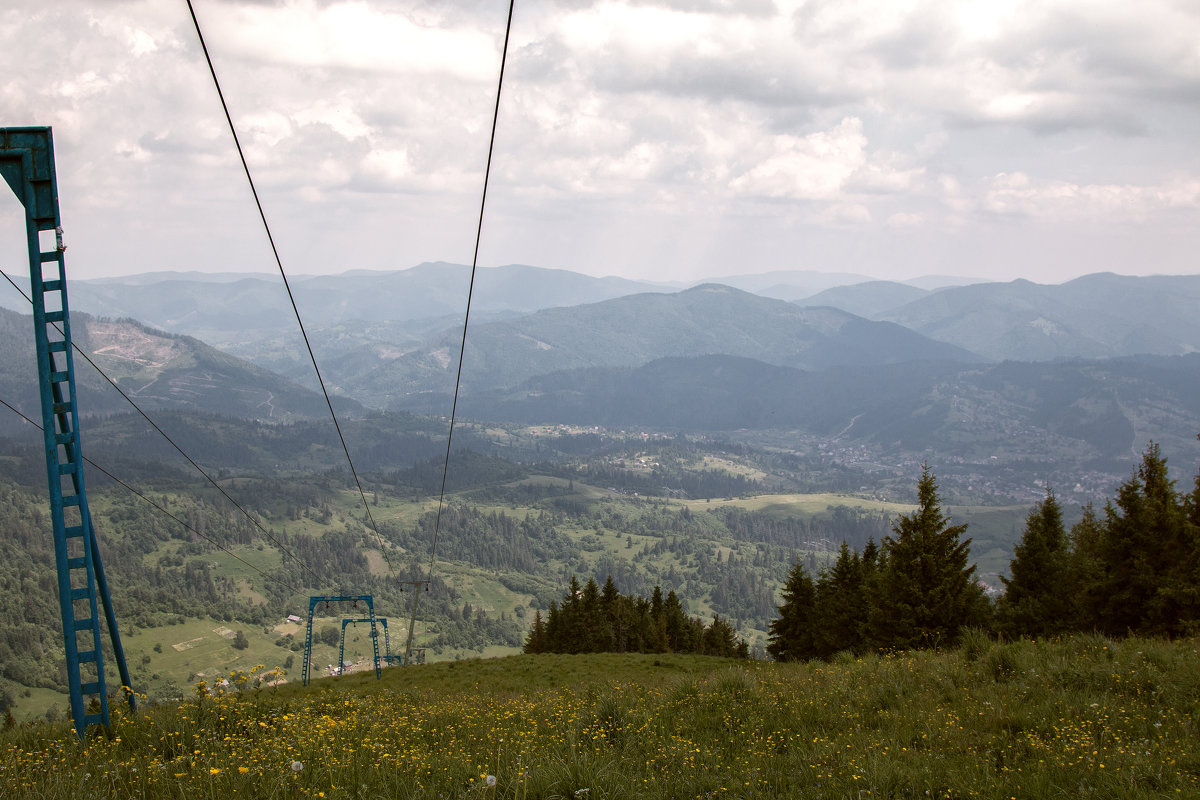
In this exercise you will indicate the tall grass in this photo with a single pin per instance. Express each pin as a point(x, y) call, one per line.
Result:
point(1084, 717)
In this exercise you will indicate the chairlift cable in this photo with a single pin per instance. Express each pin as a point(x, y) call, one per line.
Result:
point(179, 449)
point(287, 285)
point(149, 500)
point(466, 319)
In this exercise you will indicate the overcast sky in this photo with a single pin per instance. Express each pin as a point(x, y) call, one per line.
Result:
point(652, 139)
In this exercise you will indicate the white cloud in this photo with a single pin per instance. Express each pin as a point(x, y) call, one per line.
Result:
point(358, 35)
point(1051, 201)
point(140, 42)
point(813, 167)
point(768, 121)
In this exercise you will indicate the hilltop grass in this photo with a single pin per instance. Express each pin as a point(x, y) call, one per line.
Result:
point(1083, 717)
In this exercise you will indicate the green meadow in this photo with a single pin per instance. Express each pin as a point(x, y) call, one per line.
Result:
point(1081, 717)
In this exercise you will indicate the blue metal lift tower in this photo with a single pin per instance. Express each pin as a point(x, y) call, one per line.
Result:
point(27, 164)
point(314, 604)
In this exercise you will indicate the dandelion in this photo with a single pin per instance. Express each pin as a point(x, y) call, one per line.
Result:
point(491, 780)
point(297, 766)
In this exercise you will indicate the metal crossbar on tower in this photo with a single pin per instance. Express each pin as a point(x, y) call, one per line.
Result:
point(329, 600)
point(27, 164)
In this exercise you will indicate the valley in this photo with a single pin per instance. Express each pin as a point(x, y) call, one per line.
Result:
point(701, 440)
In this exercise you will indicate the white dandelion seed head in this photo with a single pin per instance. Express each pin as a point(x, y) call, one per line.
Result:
point(297, 766)
point(491, 780)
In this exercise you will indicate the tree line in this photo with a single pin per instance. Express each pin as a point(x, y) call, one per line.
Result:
point(1132, 568)
point(595, 620)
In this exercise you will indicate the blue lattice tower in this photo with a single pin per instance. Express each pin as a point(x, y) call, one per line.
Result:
point(387, 648)
point(27, 163)
point(329, 600)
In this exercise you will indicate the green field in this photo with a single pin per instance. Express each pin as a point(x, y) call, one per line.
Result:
point(1085, 716)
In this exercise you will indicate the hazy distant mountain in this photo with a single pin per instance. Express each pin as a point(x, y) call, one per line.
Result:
point(934, 282)
point(1096, 316)
point(227, 310)
point(796, 285)
point(866, 299)
point(1085, 410)
point(629, 331)
point(158, 370)
point(788, 284)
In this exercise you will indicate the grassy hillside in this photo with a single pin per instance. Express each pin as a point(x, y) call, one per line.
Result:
point(1082, 717)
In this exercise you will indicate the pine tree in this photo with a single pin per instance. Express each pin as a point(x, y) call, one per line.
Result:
point(614, 610)
point(841, 606)
point(596, 627)
point(553, 638)
point(658, 619)
point(1034, 602)
point(925, 592)
point(1145, 545)
point(1085, 572)
point(536, 641)
point(680, 637)
point(791, 633)
point(719, 639)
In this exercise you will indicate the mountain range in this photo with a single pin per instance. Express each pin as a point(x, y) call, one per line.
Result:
point(1094, 367)
point(1096, 316)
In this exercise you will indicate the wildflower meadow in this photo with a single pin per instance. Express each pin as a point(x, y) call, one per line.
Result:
point(1082, 717)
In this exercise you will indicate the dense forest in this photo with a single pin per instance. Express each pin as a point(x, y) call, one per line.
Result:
point(595, 620)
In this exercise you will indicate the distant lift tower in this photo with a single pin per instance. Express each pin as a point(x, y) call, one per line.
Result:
point(27, 163)
point(315, 604)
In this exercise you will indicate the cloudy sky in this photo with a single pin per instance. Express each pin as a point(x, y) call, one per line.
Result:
point(653, 139)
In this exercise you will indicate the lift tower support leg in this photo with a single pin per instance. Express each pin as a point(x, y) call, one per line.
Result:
point(27, 164)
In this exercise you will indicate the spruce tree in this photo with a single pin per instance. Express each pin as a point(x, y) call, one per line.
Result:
point(1034, 603)
point(680, 636)
point(791, 633)
point(1145, 540)
point(925, 592)
point(841, 606)
point(719, 639)
point(658, 619)
point(536, 641)
point(1085, 572)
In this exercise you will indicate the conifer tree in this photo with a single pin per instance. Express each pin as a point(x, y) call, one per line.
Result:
point(1034, 602)
point(841, 606)
point(925, 592)
point(658, 620)
point(553, 629)
point(680, 637)
point(1085, 571)
point(596, 630)
point(719, 639)
point(1145, 540)
point(791, 633)
point(536, 641)
point(615, 610)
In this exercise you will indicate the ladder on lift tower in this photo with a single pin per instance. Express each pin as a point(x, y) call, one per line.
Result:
point(27, 164)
